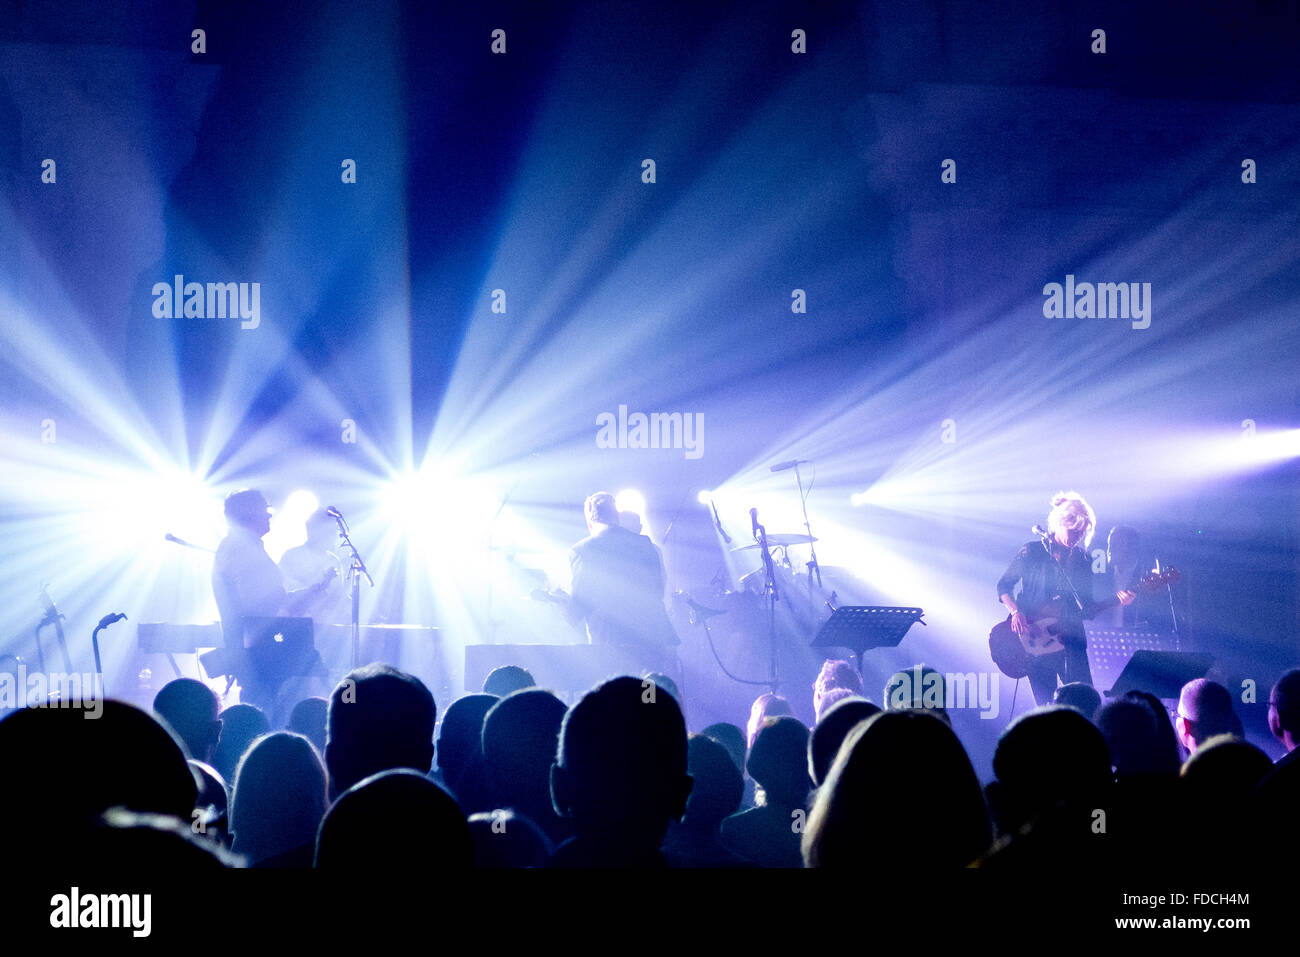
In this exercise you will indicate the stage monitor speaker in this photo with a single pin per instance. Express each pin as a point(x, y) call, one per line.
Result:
point(1109, 650)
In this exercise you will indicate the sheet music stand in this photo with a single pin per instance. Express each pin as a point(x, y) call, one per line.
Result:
point(862, 627)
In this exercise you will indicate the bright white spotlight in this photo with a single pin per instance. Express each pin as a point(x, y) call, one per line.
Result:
point(289, 523)
point(887, 493)
point(705, 497)
point(630, 500)
point(1264, 448)
point(436, 508)
point(300, 504)
point(133, 511)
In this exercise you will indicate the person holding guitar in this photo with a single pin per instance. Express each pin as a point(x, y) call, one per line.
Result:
point(1055, 579)
point(618, 586)
point(247, 583)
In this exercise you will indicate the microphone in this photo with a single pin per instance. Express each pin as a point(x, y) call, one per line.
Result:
point(753, 521)
point(782, 466)
point(110, 619)
point(169, 537)
point(333, 512)
point(1041, 532)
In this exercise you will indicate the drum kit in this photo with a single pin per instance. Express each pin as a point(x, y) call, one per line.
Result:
point(807, 592)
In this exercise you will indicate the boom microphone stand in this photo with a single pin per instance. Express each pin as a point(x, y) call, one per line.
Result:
point(355, 571)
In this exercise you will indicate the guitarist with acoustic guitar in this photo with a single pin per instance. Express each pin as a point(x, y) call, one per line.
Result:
point(1055, 579)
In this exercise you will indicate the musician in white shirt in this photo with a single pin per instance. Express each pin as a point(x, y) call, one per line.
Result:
point(246, 582)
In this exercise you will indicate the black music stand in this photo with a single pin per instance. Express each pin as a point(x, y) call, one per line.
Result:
point(1161, 673)
point(862, 627)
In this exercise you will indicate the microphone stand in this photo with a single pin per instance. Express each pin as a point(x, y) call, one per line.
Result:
point(1173, 612)
point(769, 586)
point(355, 571)
point(813, 567)
point(664, 539)
point(1074, 593)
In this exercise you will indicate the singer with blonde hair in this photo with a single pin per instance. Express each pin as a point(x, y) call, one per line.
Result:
point(1054, 575)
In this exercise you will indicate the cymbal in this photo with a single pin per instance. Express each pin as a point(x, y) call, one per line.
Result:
point(777, 539)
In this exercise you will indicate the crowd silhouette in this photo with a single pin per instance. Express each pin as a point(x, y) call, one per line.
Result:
point(370, 781)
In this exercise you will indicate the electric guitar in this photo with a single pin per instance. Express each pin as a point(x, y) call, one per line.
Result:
point(1014, 653)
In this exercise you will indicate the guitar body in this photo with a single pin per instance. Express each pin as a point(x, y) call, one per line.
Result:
point(1013, 654)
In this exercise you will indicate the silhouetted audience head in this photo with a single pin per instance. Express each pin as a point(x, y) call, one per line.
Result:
point(521, 734)
point(460, 751)
point(1224, 771)
point(504, 838)
point(1275, 809)
point(732, 738)
point(718, 785)
point(778, 761)
point(1204, 710)
point(620, 774)
point(836, 723)
point(663, 681)
point(920, 687)
point(309, 718)
point(1218, 784)
point(835, 673)
point(507, 679)
point(73, 768)
point(1083, 698)
point(190, 707)
point(1284, 710)
point(1169, 757)
point(1132, 737)
point(832, 697)
point(900, 796)
point(379, 718)
point(716, 793)
point(241, 724)
point(766, 705)
point(1050, 757)
point(279, 801)
point(212, 802)
point(392, 823)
